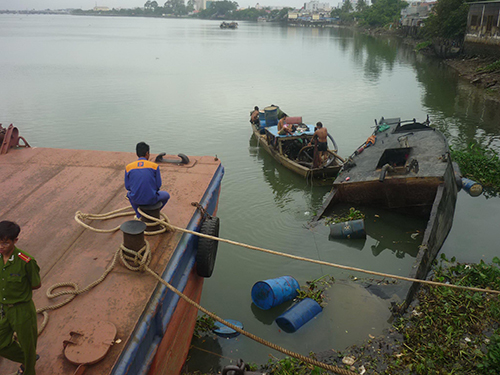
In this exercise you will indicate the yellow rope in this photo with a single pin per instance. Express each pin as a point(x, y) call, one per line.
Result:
point(381, 274)
point(166, 223)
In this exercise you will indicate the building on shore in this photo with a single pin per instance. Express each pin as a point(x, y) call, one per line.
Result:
point(414, 16)
point(316, 6)
point(482, 36)
point(304, 17)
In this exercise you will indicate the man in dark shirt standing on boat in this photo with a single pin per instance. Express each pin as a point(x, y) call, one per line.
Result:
point(143, 181)
point(19, 275)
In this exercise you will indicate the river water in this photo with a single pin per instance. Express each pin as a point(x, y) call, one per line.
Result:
point(186, 86)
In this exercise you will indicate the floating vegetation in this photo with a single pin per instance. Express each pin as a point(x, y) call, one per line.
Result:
point(204, 326)
point(481, 165)
point(449, 331)
point(353, 214)
point(315, 289)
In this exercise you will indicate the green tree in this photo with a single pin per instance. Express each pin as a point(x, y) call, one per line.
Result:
point(361, 6)
point(449, 20)
point(347, 7)
point(219, 9)
point(382, 13)
point(190, 6)
point(176, 7)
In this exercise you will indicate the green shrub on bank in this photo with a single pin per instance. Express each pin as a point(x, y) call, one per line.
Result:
point(423, 45)
point(490, 68)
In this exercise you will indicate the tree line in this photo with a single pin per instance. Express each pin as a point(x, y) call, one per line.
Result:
point(224, 10)
point(447, 20)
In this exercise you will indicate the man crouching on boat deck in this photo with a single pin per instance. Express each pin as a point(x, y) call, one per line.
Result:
point(143, 181)
point(19, 275)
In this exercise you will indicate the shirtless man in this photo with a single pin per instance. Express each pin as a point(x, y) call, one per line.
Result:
point(254, 117)
point(284, 128)
point(321, 134)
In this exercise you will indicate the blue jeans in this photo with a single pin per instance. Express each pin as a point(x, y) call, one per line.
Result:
point(163, 197)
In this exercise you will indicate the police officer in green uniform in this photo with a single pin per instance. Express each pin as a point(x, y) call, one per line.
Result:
point(19, 275)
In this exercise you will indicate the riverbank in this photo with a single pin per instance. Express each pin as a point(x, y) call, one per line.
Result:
point(479, 71)
point(482, 72)
point(445, 330)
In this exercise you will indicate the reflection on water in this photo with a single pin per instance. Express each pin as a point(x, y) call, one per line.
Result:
point(268, 316)
point(283, 182)
point(401, 235)
point(205, 355)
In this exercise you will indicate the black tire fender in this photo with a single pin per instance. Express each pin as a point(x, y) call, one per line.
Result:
point(207, 248)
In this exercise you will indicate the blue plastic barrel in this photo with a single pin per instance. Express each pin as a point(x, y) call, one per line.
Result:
point(472, 187)
point(349, 229)
point(298, 315)
point(271, 114)
point(262, 120)
point(273, 292)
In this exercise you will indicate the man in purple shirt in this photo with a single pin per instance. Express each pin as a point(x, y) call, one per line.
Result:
point(143, 181)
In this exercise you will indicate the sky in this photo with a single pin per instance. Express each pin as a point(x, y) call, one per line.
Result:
point(88, 4)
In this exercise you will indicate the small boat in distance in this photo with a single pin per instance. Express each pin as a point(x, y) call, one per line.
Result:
point(229, 25)
point(404, 166)
point(292, 150)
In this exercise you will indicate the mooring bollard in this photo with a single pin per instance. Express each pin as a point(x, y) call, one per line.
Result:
point(133, 234)
point(154, 211)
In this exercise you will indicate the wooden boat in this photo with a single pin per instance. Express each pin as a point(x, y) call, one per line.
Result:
point(292, 150)
point(42, 189)
point(404, 166)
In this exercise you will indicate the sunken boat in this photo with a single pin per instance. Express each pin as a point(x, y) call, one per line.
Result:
point(130, 323)
point(293, 150)
point(404, 166)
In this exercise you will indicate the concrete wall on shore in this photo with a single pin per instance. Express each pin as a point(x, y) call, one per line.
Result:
point(483, 29)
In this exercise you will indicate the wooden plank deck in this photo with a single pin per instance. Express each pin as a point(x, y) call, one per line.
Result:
point(41, 190)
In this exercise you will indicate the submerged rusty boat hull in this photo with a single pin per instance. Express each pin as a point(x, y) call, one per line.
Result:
point(408, 169)
point(42, 189)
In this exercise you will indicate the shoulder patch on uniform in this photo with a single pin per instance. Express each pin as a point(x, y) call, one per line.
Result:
point(24, 257)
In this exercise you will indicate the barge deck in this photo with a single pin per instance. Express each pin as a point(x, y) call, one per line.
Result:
point(42, 189)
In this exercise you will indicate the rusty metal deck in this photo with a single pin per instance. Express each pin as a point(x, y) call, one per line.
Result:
point(41, 190)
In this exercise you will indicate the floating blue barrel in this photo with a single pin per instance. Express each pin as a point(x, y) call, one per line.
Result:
point(298, 315)
point(273, 292)
point(271, 115)
point(349, 229)
point(472, 187)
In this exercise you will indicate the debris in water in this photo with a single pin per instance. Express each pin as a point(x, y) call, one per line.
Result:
point(349, 361)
